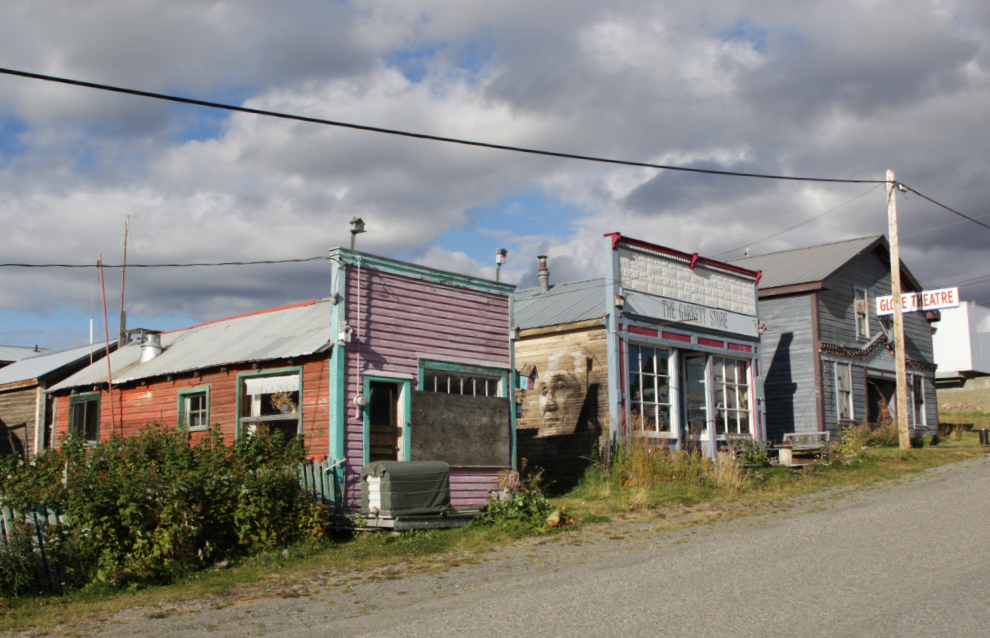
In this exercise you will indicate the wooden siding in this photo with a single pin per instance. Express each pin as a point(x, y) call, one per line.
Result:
point(837, 317)
point(402, 320)
point(563, 447)
point(17, 421)
point(136, 407)
point(788, 357)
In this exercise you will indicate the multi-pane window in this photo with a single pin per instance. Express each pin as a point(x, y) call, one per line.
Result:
point(862, 308)
point(731, 377)
point(451, 383)
point(843, 392)
point(84, 416)
point(194, 409)
point(649, 389)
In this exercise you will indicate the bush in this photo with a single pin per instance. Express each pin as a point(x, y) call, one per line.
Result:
point(18, 561)
point(856, 437)
point(151, 507)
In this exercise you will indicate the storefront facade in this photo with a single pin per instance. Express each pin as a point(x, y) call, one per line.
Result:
point(683, 347)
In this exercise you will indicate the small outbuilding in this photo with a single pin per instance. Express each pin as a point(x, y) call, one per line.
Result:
point(25, 407)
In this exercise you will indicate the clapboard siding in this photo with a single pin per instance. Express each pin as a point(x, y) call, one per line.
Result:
point(788, 355)
point(136, 407)
point(837, 317)
point(402, 320)
point(17, 420)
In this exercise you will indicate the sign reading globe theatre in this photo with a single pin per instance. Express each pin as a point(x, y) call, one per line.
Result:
point(660, 287)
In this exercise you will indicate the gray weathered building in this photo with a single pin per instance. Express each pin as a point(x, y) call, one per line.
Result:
point(829, 357)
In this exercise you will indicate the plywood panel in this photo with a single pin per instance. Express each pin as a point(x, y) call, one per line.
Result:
point(565, 403)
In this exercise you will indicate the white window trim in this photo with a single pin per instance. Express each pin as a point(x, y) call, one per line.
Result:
point(866, 300)
point(669, 374)
point(838, 397)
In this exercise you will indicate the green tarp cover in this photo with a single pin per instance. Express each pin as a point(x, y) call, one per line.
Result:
point(405, 488)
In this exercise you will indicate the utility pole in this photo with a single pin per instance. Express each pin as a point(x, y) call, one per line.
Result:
point(895, 283)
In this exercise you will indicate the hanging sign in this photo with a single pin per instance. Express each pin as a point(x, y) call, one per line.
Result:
point(920, 301)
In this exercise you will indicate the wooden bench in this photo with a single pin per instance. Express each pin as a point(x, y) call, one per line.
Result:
point(804, 444)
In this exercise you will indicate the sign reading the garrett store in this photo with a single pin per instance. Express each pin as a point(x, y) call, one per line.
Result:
point(699, 286)
point(920, 301)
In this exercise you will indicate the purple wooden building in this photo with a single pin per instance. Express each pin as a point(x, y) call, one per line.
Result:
point(420, 370)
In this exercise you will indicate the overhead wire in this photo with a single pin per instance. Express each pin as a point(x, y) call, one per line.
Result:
point(422, 136)
point(225, 263)
point(438, 138)
point(810, 219)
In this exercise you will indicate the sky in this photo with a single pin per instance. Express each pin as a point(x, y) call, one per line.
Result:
point(838, 88)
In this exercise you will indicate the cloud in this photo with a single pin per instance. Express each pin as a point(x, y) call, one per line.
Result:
point(839, 89)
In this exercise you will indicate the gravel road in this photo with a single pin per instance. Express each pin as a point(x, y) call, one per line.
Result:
point(908, 559)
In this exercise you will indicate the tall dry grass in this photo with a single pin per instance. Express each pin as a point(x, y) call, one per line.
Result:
point(640, 471)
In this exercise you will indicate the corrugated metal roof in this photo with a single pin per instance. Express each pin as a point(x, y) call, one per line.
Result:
point(805, 265)
point(16, 353)
point(277, 334)
point(40, 365)
point(565, 303)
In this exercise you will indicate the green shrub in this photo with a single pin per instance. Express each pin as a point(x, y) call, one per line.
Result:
point(18, 561)
point(153, 506)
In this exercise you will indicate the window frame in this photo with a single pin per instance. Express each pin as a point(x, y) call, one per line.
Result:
point(850, 404)
point(724, 385)
point(86, 397)
point(181, 396)
point(500, 375)
point(672, 430)
point(918, 408)
point(865, 334)
point(242, 421)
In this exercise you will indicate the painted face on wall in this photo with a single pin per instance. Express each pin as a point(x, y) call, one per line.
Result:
point(563, 389)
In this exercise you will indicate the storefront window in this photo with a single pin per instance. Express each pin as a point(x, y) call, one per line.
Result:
point(649, 389)
point(731, 378)
point(695, 403)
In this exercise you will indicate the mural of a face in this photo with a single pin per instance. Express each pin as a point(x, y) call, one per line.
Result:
point(563, 389)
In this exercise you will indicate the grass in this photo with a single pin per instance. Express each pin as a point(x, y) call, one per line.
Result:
point(605, 502)
point(980, 420)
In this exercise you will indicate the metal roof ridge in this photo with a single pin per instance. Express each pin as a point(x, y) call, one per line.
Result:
point(247, 314)
point(562, 283)
point(791, 250)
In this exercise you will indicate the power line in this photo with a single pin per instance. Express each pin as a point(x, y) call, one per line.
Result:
point(951, 210)
point(810, 219)
point(225, 263)
point(922, 232)
point(422, 136)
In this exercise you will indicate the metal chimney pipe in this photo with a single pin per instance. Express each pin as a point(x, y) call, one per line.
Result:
point(544, 275)
point(151, 348)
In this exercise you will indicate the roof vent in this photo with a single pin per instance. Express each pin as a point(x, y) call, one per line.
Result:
point(151, 348)
point(544, 275)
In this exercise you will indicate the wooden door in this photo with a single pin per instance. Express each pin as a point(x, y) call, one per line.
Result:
point(383, 410)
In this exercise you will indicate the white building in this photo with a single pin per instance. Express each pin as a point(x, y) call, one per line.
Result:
point(962, 345)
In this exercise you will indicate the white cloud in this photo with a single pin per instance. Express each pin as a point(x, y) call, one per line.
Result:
point(842, 89)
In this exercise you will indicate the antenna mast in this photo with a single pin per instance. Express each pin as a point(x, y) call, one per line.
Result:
point(122, 325)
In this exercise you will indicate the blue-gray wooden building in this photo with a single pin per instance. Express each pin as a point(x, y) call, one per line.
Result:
point(829, 357)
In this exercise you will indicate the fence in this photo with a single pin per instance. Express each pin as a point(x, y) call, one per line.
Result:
point(36, 521)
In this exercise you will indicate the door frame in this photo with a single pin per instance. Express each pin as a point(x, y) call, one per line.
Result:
point(402, 418)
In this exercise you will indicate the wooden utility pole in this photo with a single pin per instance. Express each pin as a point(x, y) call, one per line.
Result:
point(895, 284)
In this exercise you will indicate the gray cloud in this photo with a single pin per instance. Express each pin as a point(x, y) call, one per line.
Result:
point(843, 89)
